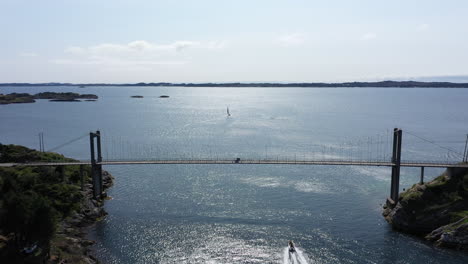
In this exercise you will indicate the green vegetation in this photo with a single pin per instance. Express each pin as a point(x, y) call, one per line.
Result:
point(34, 199)
point(15, 153)
point(410, 195)
point(442, 192)
point(437, 209)
point(64, 96)
point(456, 216)
point(15, 98)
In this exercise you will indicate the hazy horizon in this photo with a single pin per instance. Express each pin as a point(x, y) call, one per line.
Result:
point(451, 79)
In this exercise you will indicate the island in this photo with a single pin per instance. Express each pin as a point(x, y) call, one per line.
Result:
point(16, 98)
point(436, 210)
point(164, 96)
point(136, 96)
point(44, 211)
point(381, 84)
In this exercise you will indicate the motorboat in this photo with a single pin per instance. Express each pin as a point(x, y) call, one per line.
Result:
point(291, 247)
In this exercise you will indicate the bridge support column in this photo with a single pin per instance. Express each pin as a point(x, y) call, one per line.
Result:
point(450, 172)
point(82, 177)
point(61, 170)
point(396, 159)
point(96, 169)
point(422, 176)
point(99, 159)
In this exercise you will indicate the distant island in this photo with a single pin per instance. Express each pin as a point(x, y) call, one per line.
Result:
point(20, 98)
point(382, 84)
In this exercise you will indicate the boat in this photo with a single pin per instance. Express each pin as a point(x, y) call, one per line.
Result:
point(291, 247)
point(29, 250)
point(228, 114)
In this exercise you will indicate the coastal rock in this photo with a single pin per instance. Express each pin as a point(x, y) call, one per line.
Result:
point(72, 232)
point(88, 96)
point(454, 235)
point(64, 100)
point(437, 210)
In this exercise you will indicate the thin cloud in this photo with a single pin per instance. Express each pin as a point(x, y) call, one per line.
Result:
point(422, 27)
point(139, 52)
point(28, 54)
point(216, 44)
point(115, 62)
point(138, 46)
point(369, 36)
point(293, 39)
point(182, 45)
point(74, 50)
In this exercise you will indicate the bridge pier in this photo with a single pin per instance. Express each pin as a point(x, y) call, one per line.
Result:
point(422, 176)
point(99, 159)
point(61, 170)
point(82, 177)
point(396, 160)
point(96, 169)
point(451, 172)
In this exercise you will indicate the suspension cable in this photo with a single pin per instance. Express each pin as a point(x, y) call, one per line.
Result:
point(433, 142)
point(68, 142)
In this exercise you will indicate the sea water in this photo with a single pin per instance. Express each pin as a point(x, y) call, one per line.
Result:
point(247, 213)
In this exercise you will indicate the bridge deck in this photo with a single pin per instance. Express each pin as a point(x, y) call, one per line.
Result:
point(246, 162)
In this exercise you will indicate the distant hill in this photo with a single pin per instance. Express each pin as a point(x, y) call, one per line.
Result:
point(382, 84)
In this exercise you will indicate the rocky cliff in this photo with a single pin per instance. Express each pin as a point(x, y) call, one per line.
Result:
point(437, 210)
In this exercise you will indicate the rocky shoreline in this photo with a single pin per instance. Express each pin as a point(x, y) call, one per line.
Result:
point(436, 210)
point(70, 244)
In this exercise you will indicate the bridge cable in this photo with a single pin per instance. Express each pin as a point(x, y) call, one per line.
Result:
point(433, 142)
point(68, 142)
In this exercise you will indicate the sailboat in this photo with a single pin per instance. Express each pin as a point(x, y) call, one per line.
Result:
point(228, 114)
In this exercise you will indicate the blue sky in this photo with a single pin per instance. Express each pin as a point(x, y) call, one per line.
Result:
point(223, 41)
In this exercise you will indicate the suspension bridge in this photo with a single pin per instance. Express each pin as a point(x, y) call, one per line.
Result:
point(394, 161)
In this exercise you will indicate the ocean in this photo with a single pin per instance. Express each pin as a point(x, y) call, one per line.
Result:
point(247, 213)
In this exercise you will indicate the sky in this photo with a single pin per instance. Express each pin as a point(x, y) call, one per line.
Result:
point(122, 41)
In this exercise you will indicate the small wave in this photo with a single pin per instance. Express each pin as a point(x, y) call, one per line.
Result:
point(309, 186)
point(221, 250)
point(381, 174)
point(263, 181)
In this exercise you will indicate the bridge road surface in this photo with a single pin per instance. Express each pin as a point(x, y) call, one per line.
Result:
point(246, 162)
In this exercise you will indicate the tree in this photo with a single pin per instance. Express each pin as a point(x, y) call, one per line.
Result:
point(43, 224)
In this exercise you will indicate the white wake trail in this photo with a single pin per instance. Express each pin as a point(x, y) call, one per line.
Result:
point(294, 258)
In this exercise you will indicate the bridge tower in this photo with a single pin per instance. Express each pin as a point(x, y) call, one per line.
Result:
point(96, 167)
point(396, 160)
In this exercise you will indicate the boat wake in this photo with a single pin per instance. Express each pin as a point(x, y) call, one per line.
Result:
point(296, 257)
